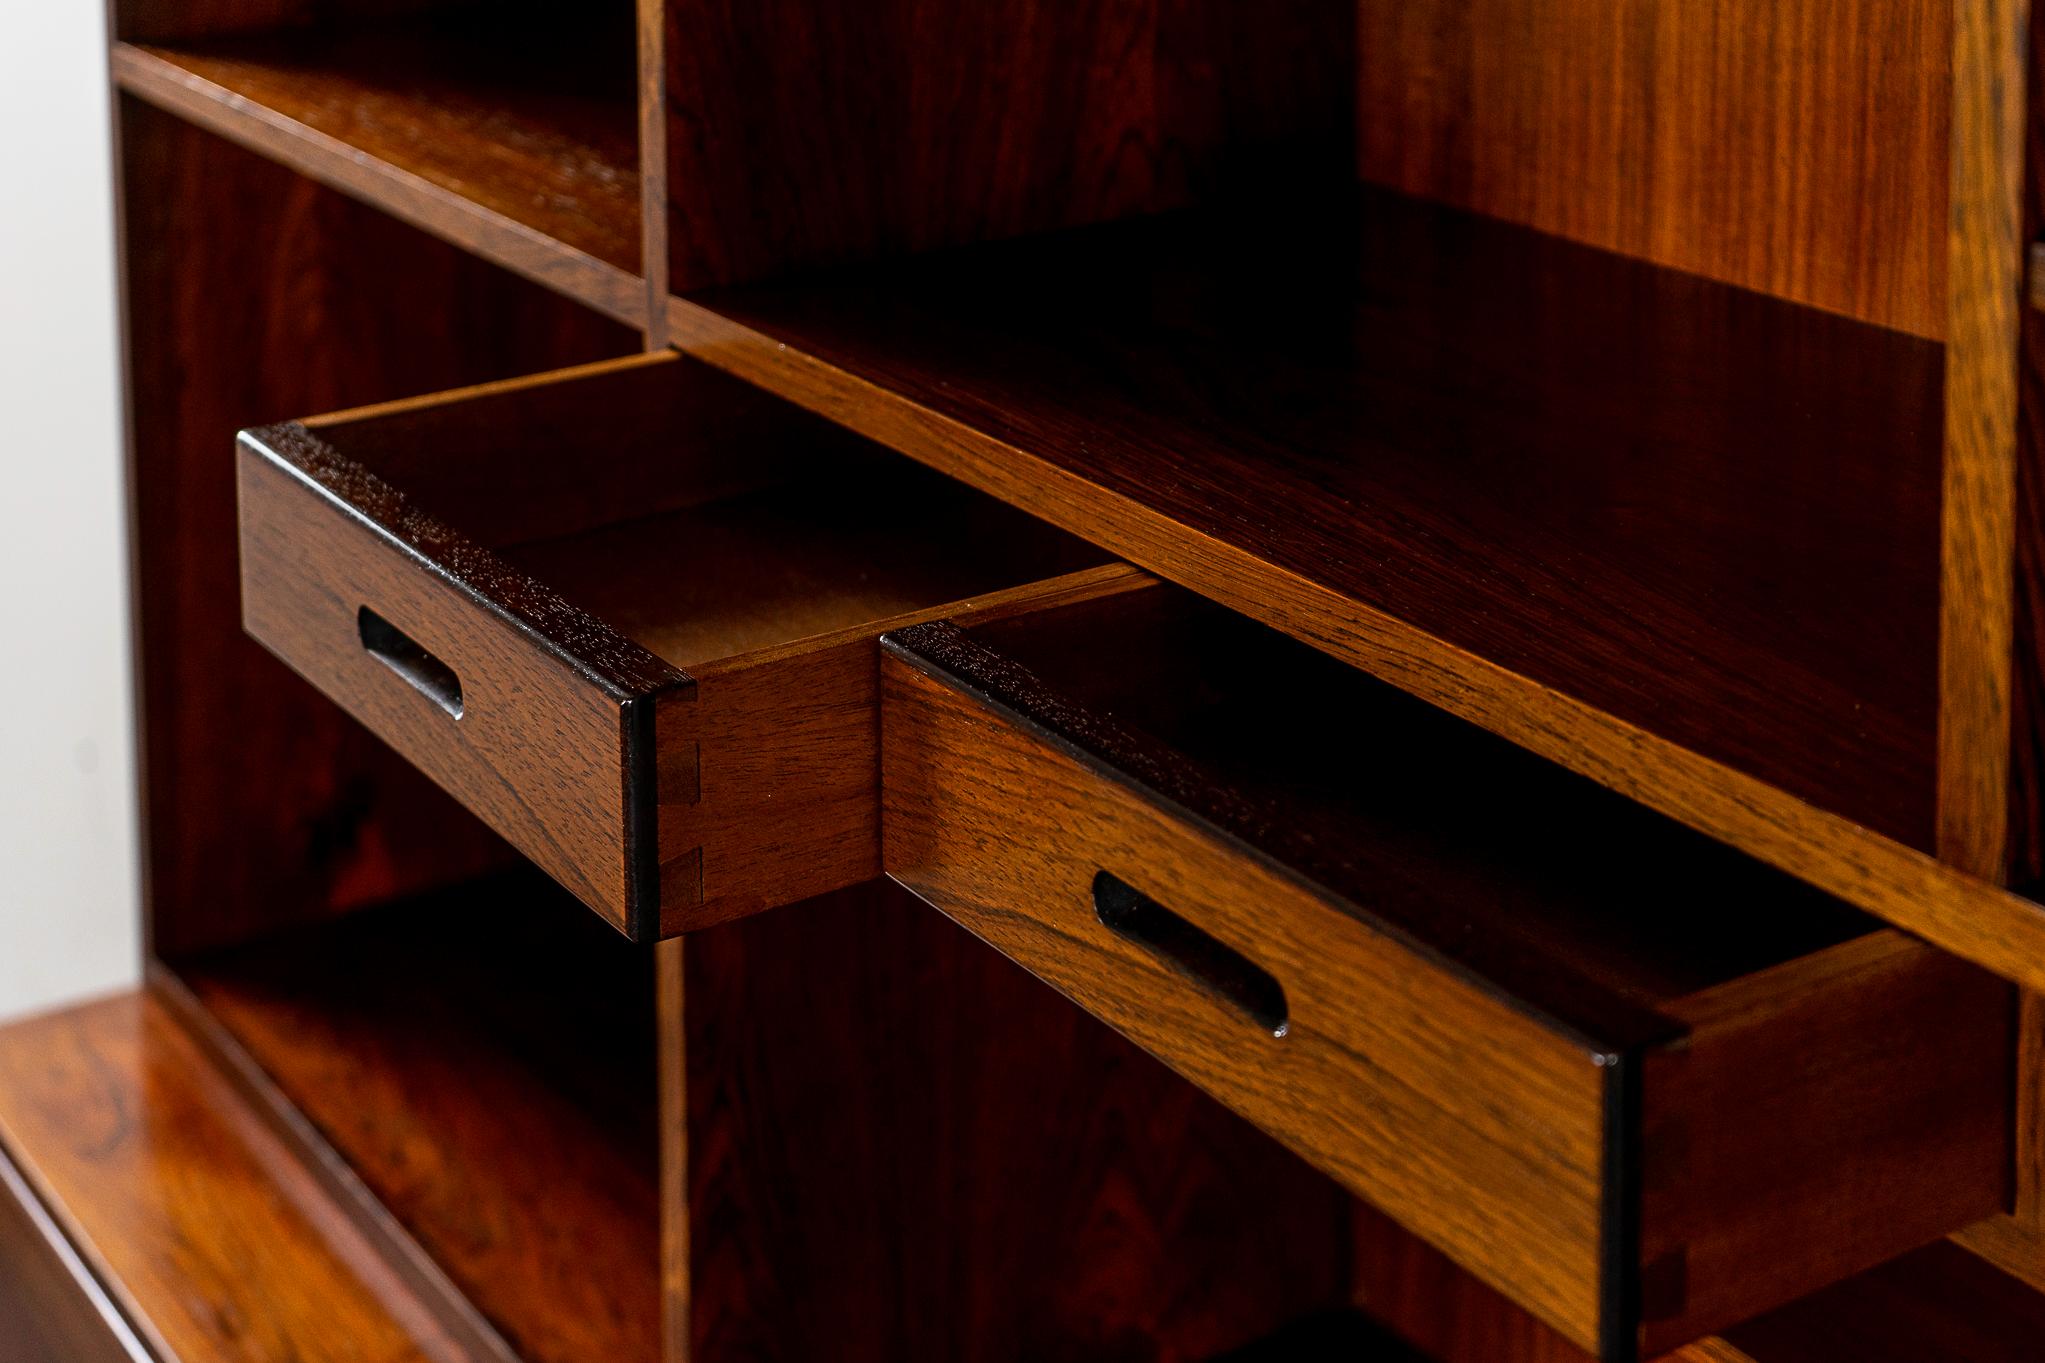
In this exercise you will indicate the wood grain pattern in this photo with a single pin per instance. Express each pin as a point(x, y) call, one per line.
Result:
point(1796, 148)
point(217, 1244)
point(978, 121)
point(253, 294)
point(1827, 1115)
point(1004, 802)
point(495, 149)
point(554, 708)
point(1977, 554)
point(495, 1091)
point(900, 1147)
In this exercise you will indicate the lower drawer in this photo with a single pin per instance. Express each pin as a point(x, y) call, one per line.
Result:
point(1643, 1085)
point(627, 614)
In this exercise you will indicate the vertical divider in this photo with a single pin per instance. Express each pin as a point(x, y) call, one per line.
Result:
point(1977, 530)
point(674, 1152)
point(1981, 715)
point(653, 255)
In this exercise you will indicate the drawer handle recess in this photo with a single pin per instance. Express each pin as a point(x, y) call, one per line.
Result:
point(402, 654)
point(1199, 956)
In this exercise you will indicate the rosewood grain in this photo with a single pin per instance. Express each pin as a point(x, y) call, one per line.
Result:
point(1440, 906)
point(253, 294)
point(1798, 148)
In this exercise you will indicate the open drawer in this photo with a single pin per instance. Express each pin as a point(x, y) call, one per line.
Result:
point(1643, 1085)
point(627, 614)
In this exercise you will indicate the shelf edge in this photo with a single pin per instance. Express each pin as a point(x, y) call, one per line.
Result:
point(412, 199)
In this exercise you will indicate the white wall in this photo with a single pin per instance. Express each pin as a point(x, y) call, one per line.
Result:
point(68, 920)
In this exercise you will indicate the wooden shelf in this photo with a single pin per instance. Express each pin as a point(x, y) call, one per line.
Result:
point(1627, 516)
point(515, 139)
point(495, 1090)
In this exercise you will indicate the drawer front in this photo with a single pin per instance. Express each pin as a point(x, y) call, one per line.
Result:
point(457, 661)
point(1478, 1126)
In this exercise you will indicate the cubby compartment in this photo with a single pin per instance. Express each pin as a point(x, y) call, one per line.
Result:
point(1641, 1084)
point(732, 1148)
point(496, 1093)
point(510, 129)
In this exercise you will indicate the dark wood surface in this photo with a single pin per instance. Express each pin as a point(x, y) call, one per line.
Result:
point(555, 710)
point(1337, 834)
point(1939, 1302)
point(51, 1305)
point(494, 1090)
point(516, 138)
point(1981, 520)
point(254, 295)
point(810, 132)
point(899, 1146)
point(213, 1237)
point(1709, 514)
point(1796, 148)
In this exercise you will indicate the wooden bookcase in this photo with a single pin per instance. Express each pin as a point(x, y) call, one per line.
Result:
point(1502, 532)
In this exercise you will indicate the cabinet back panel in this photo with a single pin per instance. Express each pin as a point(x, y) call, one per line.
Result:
point(1798, 147)
point(812, 132)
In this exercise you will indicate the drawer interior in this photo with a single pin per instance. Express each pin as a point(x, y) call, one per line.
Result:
point(1566, 896)
point(698, 516)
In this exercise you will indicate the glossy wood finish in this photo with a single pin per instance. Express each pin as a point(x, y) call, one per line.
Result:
point(899, 1147)
point(976, 121)
point(253, 295)
point(52, 1306)
point(494, 1091)
point(664, 651)
point(514, 140)
point(1796, 148)
point(210, 1233)
point(1451, 893)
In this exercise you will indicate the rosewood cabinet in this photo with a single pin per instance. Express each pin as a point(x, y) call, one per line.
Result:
point(925, 680)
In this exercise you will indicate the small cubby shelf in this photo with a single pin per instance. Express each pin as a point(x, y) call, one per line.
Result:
point(495, 1091)
point(516, 137)
point(1439, 443)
